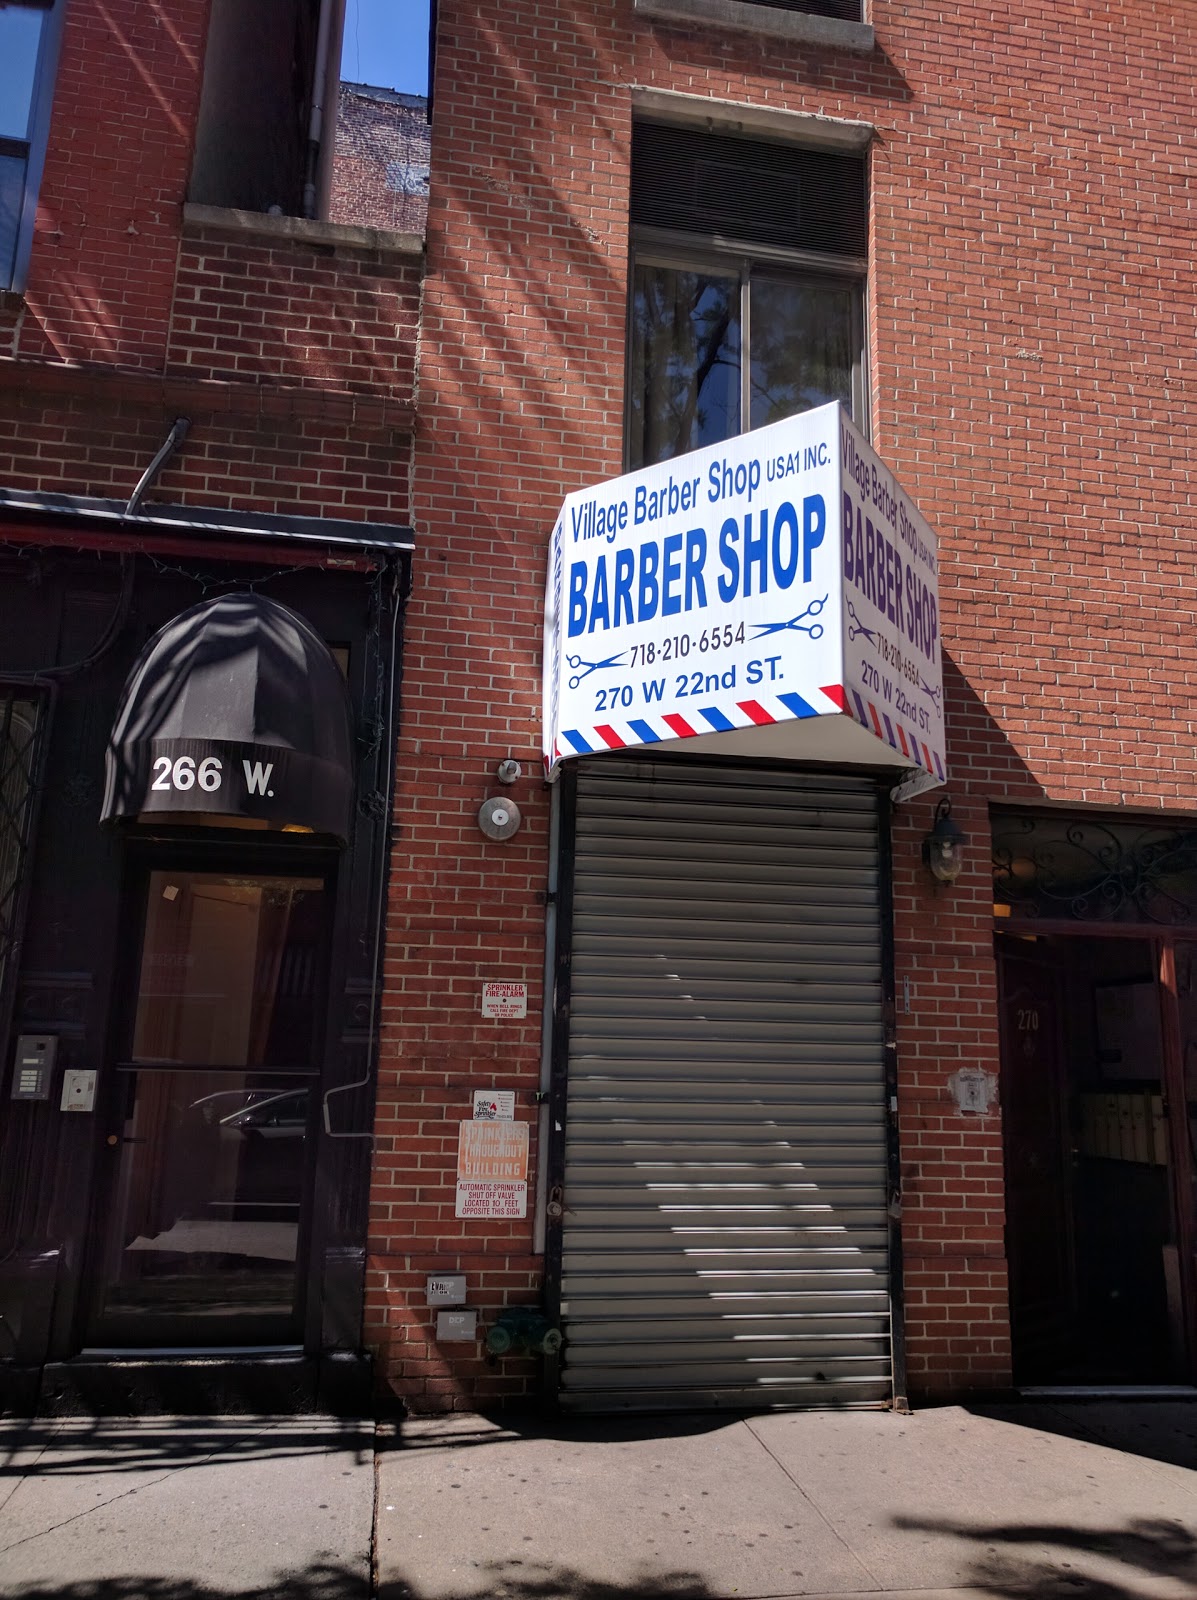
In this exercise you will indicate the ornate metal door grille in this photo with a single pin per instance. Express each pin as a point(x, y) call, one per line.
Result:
point(1049, 868)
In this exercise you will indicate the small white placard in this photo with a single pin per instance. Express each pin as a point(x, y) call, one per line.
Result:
point(505, 1001)
point(79, 1089)
point(494, 1105)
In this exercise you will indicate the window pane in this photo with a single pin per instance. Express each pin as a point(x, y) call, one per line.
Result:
point(685, 362)
point(12, 193)
point(20, 35)
point(802, 346)
point(206, 1224)
point(228, 971)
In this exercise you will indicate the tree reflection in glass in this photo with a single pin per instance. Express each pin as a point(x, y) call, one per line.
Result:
point(801, 346)
point(685, 360)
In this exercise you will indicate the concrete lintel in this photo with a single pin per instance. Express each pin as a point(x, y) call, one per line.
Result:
point(299, 230)
point(773, 122)
point(745, 17)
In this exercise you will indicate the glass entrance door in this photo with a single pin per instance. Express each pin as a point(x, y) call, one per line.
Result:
point(211, 1119)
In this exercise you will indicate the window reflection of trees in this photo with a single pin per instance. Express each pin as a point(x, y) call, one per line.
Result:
point(687, 335)
point(685, 388)
point(801, 347)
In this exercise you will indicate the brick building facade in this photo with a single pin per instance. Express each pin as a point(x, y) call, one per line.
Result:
point(985, 209)
point(272, 354)
point(1024, 313)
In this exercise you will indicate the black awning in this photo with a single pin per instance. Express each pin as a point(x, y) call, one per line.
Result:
point(235, 709)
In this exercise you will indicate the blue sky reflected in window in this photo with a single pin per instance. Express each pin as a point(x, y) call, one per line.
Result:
point(386, 44)
point(20, 31)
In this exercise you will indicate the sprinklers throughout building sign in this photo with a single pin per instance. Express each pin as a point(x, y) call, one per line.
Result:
point(779, 576)
point(492, 1169)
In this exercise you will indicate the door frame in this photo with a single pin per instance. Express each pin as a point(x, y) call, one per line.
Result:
point(1182, 1158)
point(216, 850)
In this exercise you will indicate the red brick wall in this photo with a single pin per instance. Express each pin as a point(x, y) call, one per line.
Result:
point(116, 172)
point(1027, 312)
point(380, 168)
point(293, 357)
point(257, 310)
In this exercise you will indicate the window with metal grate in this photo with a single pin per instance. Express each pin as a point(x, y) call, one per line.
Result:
point(845, 10)
point(746, 301)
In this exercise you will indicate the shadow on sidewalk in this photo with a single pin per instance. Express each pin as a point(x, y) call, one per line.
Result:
point(1086, 1563)
point(461, 1430)
point(315, 1583)
point(511, 1580)
point(103, 1446)
point(1160, 1430)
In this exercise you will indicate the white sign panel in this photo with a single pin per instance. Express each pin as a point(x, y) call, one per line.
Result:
point(492, 1169)
point(494, 1105)
point(779, 576)
point(505, 1000)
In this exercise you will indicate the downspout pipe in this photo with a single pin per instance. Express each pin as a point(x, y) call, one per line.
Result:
point(319, 91)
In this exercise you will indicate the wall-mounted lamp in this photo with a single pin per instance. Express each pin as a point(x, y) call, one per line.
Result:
point(943, 848)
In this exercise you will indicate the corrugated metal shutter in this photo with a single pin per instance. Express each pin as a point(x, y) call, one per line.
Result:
point(725, 1231)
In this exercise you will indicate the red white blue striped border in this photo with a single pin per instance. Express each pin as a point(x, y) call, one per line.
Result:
point(831, 698)
point(701, 719)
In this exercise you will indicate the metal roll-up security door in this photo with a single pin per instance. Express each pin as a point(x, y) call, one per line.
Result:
point(725, 1234)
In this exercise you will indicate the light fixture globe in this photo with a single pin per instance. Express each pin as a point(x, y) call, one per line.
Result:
point(943, 847)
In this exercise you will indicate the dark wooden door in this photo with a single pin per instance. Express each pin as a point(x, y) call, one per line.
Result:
point(1178, 978)
point(211, 1114)
point(1038, 1166)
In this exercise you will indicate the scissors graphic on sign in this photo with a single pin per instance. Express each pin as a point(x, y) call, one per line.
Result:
point(858, 627)
point(590, 666)
point(936, 694)
point(798, 624)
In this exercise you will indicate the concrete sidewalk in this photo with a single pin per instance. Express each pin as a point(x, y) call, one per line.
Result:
point(1095, 1502)
point(1084, 1501)
point(186, 1509)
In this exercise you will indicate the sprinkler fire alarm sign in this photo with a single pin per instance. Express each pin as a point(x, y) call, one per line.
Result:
point(505, 1000)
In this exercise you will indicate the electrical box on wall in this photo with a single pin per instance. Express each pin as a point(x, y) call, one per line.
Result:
point(447, 1289)
point(456, 1326)
point(34, 1066)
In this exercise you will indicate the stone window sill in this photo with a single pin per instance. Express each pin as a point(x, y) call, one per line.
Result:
point(745, 17)
point(299, 230)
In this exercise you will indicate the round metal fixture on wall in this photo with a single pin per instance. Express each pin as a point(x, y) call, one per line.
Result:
point(499, 819)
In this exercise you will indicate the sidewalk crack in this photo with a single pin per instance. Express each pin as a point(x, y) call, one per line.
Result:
point(817, 1509)
point(9, 1454)
point(104, 1505)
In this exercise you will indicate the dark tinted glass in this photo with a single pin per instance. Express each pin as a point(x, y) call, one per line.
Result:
point(802, 345)
point(685, 362)
point(228, 971)
point(208, 1206)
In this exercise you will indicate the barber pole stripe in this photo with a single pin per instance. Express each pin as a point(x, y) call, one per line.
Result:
point(799, 706)
point(756, 712)
point(766, 711)
point(896, 736)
